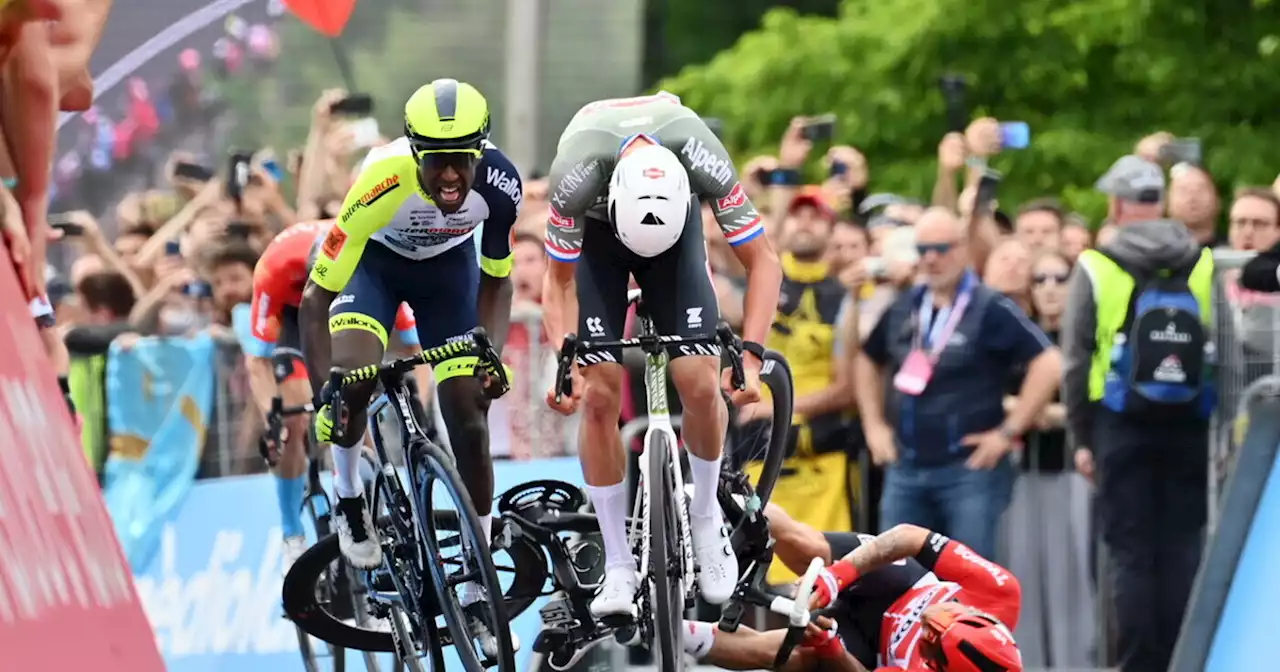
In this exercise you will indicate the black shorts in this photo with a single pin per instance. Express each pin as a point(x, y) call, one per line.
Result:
point(677, 288)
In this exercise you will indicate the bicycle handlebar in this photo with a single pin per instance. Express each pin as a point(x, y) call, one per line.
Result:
point(797, 612)
point(571, 348)
point(796, 609)
point(475, 344)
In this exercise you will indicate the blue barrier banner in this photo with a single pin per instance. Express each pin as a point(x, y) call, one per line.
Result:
point(212, 591)
point(1244, 639)
point(159, 399)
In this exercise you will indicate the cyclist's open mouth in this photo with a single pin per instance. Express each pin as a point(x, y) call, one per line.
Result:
point(451, 195)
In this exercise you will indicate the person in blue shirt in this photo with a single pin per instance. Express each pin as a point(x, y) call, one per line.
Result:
point(930, 387)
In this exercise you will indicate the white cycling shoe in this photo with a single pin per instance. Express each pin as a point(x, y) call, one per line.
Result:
point(290, 550)
point(357, 537)
point(617, 596)
point(717, 564)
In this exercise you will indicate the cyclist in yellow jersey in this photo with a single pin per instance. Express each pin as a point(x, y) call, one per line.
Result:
point(404, 235)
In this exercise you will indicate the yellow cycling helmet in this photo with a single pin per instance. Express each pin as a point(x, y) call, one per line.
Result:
point(446, 116)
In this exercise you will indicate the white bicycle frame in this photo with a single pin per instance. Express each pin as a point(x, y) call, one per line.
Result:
point(659, 416)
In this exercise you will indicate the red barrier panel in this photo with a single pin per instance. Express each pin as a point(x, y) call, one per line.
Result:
point(66, 593)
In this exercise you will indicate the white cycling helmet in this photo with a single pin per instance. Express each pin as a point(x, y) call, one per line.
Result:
point(649, 200)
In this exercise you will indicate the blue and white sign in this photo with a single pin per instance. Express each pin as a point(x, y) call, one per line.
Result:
point(212, 591)
point(1244, 640)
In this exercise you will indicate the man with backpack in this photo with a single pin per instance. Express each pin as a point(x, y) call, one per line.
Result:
point(1139, 388)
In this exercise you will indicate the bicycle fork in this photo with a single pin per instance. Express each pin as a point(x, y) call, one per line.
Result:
point(662, 423)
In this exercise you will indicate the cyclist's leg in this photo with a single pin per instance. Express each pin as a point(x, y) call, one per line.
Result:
point(294, 389)
point(358, 322)
point(601, 278)
point(443, 291)
point(679, 295)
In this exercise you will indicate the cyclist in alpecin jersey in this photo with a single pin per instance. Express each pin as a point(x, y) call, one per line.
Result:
point(910, 600)
point(405, 235)
point(624, 193)
point(273, 344)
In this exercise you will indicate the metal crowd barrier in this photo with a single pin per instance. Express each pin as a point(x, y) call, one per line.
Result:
point(1248, 347)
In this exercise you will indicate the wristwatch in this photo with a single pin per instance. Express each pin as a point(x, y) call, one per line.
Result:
point(754, 348)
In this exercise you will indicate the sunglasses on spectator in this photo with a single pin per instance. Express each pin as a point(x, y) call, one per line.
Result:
point(940, 248)
point(1057, 278)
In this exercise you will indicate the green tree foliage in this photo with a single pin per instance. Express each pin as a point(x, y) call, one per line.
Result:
point(393, 47)
point(1090, 77)
point(680, 33)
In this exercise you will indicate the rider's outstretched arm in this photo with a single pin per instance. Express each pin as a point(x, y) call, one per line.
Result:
point(747, 649)
point(795, 543)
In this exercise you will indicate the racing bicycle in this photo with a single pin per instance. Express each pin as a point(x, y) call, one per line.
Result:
point(338, 585)
point(541, 528)
point(662, 539)
point(415, 586)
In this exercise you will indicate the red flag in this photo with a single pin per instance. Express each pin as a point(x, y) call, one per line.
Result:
point(328, 17)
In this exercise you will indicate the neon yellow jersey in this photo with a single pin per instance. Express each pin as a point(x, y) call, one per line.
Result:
point(386, 204)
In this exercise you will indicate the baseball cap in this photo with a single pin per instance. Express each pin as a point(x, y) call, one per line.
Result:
point(1133, 178)
point(811, 195)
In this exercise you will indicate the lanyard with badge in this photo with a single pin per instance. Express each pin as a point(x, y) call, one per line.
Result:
point(913, 377)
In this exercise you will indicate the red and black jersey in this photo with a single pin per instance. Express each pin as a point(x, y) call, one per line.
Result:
point(880, 619)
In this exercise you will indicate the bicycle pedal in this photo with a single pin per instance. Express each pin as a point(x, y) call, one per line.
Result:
point(628, 636)
point(618, 621)
point(550, 640)
point(504, 538)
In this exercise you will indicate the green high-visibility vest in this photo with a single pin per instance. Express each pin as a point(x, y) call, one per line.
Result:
point(1112, 293)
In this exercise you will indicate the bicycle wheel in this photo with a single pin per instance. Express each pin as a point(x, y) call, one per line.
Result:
point(326, 590)
point(434, 467)
point(522, 573)
point(759, 451)
point(665, 558)
point(306, 605)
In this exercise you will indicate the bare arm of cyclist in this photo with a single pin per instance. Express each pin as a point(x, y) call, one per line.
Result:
point(574, 182)
point(747, 649)
point(496, 259)
point(795, 543)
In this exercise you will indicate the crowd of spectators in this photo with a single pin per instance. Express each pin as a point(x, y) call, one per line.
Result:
point(1021, 492)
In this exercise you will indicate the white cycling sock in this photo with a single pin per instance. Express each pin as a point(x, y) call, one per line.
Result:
point(611, 512)
point(706, 479)
point(699, 637)
point(486, 529)
point(346, 467)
